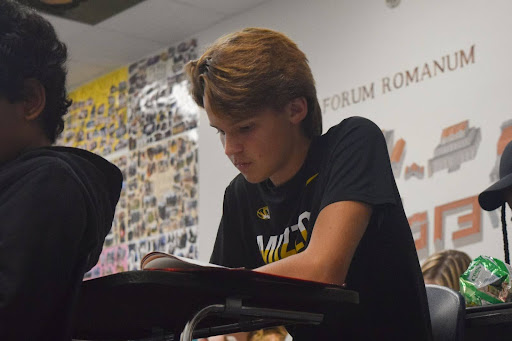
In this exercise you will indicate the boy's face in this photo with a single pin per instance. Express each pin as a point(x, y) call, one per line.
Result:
point(11, 128)
point(261, 147)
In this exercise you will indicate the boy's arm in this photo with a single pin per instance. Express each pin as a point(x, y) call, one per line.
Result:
point(358, 179)
point(336, 235)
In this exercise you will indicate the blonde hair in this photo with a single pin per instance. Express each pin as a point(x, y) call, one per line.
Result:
point(252, 69)
point(445, 268)
point(263, 334)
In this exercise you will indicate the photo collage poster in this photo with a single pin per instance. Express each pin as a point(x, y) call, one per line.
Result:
point(97, 119)
point(143, 119)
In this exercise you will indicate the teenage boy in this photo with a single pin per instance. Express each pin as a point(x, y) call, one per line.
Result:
point(322, 208)
point(56, 204)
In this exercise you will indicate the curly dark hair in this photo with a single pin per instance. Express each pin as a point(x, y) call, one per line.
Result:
point(29, 48)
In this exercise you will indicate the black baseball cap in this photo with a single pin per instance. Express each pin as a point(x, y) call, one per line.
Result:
point(492, 197)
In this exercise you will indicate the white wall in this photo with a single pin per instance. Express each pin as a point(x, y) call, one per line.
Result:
point(355, 43)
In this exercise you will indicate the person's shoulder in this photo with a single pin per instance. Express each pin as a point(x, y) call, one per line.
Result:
point(50, 168)
point(353, 123)
point(40, 161)
point(39, 176)
point(77, 162)
point(354, 128)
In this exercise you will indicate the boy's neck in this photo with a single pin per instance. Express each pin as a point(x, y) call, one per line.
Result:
point(295, 162)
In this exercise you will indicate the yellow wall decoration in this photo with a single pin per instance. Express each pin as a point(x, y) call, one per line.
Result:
point(97, 120)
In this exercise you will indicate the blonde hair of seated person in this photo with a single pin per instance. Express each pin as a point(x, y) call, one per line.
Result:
point(445, 268)
point(268, 334)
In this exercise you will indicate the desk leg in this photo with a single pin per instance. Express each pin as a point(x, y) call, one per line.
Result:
point(191, 325)
point(234, 309)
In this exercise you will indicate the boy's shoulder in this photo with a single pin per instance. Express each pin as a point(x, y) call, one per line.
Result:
point(353, 123)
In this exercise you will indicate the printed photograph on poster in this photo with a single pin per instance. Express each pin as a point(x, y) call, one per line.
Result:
point(112, 260)
point(160, 105)
point(143, 120)
point(117, 234)
point(127, 257)
point(162, 188)
point(97, 119)
point(161, 67)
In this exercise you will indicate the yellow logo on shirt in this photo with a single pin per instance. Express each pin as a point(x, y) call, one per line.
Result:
point(263, 213)
point(293, 240)
point(311, 179)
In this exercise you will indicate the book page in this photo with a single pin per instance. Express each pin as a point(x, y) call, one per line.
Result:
point(160, 260)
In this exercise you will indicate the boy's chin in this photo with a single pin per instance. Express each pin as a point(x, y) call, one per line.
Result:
point(253, 179)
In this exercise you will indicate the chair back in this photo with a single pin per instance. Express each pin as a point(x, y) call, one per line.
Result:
point(447, 313)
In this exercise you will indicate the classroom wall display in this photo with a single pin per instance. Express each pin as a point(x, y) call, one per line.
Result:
point(142, 119)
point(160, 105)
point(459, 143)
point(97, 119)
point(431, 154)
point(504, 139)
point(396, 152)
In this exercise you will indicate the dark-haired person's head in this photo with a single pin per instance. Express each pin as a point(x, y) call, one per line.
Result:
point(33, 97)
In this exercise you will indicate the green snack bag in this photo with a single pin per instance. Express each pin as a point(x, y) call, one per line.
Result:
point(486, 281)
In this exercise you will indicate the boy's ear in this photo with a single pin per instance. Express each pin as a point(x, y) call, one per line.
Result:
point(298, 109)
point(34, 98)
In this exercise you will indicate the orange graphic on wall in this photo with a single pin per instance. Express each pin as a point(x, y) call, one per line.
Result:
point(459, 143)
point(396, 152)
point(414, 170)
point(472, 219)
point(419, 222)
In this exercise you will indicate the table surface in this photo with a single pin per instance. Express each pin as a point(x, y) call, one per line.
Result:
point(135, 304)
point(490, 322)
point(489, 315)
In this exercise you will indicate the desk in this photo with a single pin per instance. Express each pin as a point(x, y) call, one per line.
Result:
point(144, 304)
point(490, 322)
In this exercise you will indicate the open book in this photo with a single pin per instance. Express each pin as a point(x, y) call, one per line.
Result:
point(160, 260)
point(163, 261)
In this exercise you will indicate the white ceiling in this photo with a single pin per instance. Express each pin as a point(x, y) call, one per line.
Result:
point(138, 32)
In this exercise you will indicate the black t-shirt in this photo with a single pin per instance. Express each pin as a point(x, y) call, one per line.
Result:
point(262, 223)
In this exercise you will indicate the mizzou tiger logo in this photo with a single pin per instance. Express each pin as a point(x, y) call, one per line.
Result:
point(264, 213)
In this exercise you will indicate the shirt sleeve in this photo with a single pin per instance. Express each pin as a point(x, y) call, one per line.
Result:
point(358, 167)
point(43, 218)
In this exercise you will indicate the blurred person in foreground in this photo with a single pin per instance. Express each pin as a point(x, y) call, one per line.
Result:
point(56, 203)
point(500, 194)
point(317, 207)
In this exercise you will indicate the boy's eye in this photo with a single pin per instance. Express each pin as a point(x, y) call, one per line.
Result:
point(220, 132)
point(247, 128)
